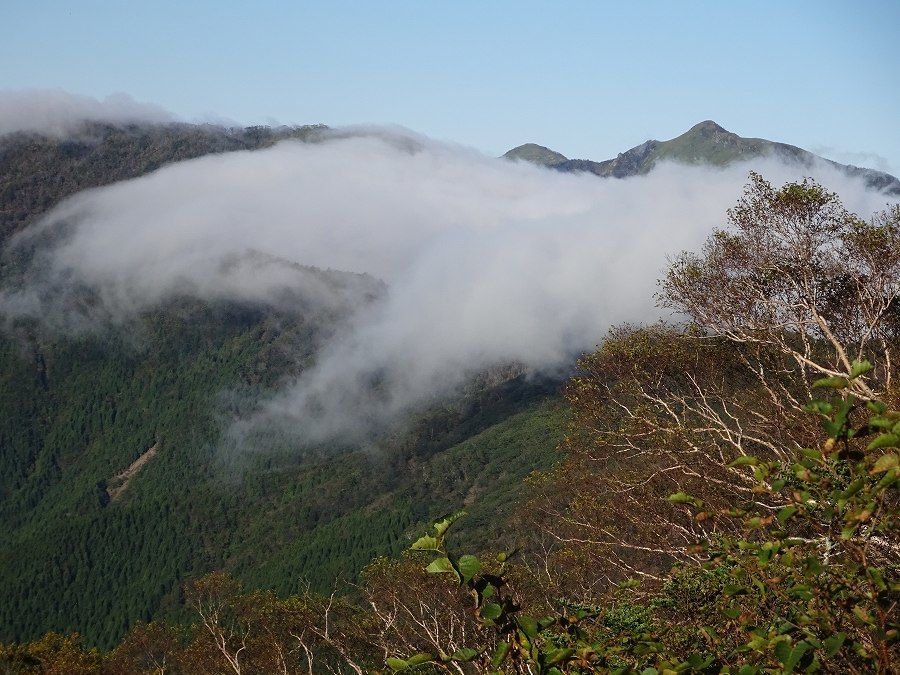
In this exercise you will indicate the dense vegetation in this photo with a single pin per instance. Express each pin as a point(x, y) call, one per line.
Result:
point(79, 555)
point(725, 500)
point(118, 479)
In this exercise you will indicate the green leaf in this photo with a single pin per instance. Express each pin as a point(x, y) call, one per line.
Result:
point(745, 460)
point(818, 407)
point(831, 382)
point(801, 591)
point(884, 441)
point(877, 578)
point(755, 523)
point(885, 463)
point(882, 422)
point(853, 488)
point(529, 626)
point(759, 642)
point(441, 526)
point(889, 478)
point(813, 454)
point(790, 655)
point(555, 656)
point(813, 565)
point(767, 550)
point(425, 543)
point(761, 472)
point(491, 611)
point(440, 566)
point(860, 368)
point(863, 614)
point(468, 566)
point(419, 659)
point(835, 429)
point(397, 664)
point(499, 654)
point(834, 643)
point(698, 663)
point(683, 498)
point(785, 513)
point(877, 407)
point(465, 654)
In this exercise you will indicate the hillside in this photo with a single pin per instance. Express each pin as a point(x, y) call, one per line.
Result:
point(122, 479)
point(37, 172)
point(82, 551)
point(704, 143)
point(119, 481)
point(705, 516)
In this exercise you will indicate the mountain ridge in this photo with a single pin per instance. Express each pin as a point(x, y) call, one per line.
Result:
point(705, 143)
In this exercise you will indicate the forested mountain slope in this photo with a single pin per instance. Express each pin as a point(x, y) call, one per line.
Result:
point(123, 481)
point(84, 551)
point(118, 479)
point(37, 172)
point(726, 500)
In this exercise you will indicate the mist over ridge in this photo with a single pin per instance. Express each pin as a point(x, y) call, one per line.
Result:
point(486, 261)
point(58, 113)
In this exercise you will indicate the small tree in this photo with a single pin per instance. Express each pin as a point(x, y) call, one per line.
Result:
point(52, 654)
point(809, 580)
point(655, 409)
point(148, 648)
point(796, 288)
point(798, 273)
point(256, 632)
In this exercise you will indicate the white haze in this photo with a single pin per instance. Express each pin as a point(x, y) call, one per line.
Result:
point(55, 112)
point(486, 261)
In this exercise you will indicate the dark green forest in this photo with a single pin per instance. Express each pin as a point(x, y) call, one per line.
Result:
point(717, 495)
point(83, 550)
point(76, 555)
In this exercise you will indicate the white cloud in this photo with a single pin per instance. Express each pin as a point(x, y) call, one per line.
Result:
point(486, 261)
point(58, 113)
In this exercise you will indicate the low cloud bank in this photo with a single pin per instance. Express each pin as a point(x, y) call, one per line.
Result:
point(486, 261)
point(55, 112)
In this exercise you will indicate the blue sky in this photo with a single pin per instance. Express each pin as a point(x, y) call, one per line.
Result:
point(588, 79)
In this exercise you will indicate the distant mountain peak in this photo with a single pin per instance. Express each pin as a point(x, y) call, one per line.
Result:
point(536, 154)
point(708, 127)
point(706, 143)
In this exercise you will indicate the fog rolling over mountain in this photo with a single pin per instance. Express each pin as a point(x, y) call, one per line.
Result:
point(58, 113)
point(485, 261)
